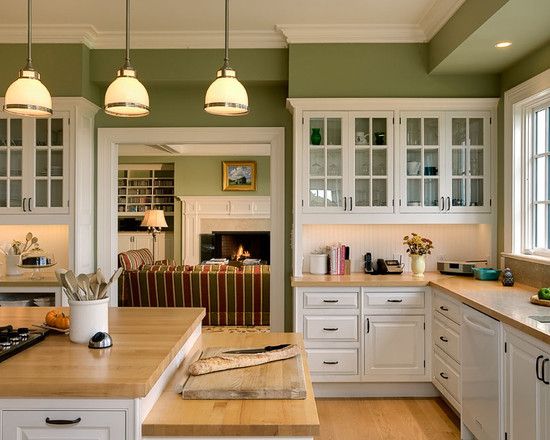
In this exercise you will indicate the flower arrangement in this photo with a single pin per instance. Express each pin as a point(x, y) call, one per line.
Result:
point(418, 245)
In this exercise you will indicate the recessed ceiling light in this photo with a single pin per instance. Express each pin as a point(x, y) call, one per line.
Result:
point(502, 44)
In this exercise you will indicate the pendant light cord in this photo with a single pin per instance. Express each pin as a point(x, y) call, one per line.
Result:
point(226, 57)
point(127, 64)
point(29, 36)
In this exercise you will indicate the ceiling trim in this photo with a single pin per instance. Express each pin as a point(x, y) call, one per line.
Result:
point(94, 39)
point(367, 33)
point(437, 15)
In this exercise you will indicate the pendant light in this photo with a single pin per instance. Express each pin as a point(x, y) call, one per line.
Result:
point(126, 96)
point(226, 96)
point(27, 96)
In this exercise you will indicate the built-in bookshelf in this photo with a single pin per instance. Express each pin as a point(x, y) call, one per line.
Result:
point(145, 186)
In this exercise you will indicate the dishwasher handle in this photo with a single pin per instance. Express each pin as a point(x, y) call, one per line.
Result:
point(479, 327)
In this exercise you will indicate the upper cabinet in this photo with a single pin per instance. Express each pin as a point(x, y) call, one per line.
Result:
point(34, 157)
point(381, 156)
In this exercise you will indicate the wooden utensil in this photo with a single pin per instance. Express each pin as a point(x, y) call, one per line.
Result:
point(84, 285)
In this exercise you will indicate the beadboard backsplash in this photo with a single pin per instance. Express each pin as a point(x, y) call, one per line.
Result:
point(451, 242)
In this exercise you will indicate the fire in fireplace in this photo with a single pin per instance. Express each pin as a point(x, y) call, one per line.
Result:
point(236, 245)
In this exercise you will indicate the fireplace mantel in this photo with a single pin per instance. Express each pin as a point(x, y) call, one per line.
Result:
point(196, 208)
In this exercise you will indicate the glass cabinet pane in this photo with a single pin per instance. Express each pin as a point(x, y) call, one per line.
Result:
point(56, 132)
point(56, 195)
point(459, 162)
point(334, 192)
point(56, 167)
point(362, 131)
point(3, 132)
point(379, 162)
point(317, 192)
point(414, 192)
point(431, 192)
point(41, 132)
point(414, 131)
point(379, 192)
point(16, 162)
point(431, 131)
point(476, 131)
point(3, 162)
point(431, 162)
point(16, 132)
point(15, 193)
point(362, 192)
point(476, 192)
point(362, 162)
point(458, 131)
point(41, 194)
point(379, 131)
point(414, 162)
point(476, 162)
point(317, 162)
point(316, 131)
point(459, 192)
point(334, 162)
point(334, 131)
point(41, 166)
point(3, 193)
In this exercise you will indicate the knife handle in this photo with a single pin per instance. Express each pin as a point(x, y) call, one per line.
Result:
point(275, 347)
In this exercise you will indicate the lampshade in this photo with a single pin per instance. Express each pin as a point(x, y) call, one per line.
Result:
point(27, 96)
point(154, 218)
point(226, 96)
point(126, 96)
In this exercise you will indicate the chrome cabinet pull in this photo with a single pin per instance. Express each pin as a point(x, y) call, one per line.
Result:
point(332, 301)
point(330, 329)
point(330, 362)
point(444, 339)
point(62, 421)
point(444, 376)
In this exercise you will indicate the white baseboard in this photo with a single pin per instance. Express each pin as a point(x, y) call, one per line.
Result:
point(348, 389)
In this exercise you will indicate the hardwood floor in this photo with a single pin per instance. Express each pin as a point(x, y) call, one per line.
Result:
point(386, 419)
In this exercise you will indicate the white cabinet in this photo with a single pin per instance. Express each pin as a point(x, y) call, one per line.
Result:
point(34, 165)
point(63, 425)
point(394, 345)
point(445, 158)
point(128, 241)
point(526, 387)
point(348, 162)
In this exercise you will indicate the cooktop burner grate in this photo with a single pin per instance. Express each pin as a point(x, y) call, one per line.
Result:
point(14, 340)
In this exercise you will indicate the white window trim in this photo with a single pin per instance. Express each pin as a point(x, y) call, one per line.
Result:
point(519, 102)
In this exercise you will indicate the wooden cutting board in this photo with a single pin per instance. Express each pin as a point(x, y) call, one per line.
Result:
point(274, 380)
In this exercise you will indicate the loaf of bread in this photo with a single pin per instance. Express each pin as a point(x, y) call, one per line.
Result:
point(228, 361)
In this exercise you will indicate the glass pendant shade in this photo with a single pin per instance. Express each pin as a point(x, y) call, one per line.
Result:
point(226, 96)
point(126, 96)
point(27, 96)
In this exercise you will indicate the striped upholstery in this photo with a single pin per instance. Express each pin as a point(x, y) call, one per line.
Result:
point(230, 296)
point(133, 260)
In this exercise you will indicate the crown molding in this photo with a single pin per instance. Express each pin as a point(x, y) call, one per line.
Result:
point(94, 39)
point(437, 15)
point(367, 33)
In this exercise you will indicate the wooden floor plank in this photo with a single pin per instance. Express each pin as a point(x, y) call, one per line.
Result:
point(386, 419)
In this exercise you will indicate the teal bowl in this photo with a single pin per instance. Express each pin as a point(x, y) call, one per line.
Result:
point(486, 273)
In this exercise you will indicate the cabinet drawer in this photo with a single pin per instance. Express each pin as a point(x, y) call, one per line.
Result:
point(89, 425)
point(333, 361)
point(447, 307)
point(335, 328)
point(446, 335)
point(331, 300)
point(446, 373)
point(395, 300)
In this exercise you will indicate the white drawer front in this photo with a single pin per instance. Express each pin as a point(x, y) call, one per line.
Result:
point(397, 300)
point(333, 361)
point(446, 335)
point(447, 307)
point(331, 328)
point(93, 425)
point(331, 300)
point(446, 374)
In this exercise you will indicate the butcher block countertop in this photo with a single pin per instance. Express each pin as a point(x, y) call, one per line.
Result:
point(172, 416)
point(507, 304)
point(24, 280)
point(145, 340)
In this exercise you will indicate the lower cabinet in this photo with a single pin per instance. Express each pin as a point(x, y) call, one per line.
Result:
point(526, 387)
point(63, 425)
point(394, 345)
point(164, 245)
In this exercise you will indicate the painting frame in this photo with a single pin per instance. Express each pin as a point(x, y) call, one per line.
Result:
point(245, 168)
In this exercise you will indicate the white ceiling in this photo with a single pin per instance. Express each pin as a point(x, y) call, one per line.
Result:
point(254, 23)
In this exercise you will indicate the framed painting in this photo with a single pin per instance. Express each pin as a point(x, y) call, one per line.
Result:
point(239, 176)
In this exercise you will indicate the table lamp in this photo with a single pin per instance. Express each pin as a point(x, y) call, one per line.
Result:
point(154, 221)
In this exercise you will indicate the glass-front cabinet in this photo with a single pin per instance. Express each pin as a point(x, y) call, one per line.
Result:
point(34, 157)
point(348, 162)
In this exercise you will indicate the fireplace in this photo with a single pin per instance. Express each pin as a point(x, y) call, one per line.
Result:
point(236, 245)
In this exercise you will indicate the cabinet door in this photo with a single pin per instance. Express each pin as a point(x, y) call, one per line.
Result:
point(49, 185)
point(394, 345)
point(527, 398)
point(370, 162)
point(422, 162)
point(145, 241)
point(11, 165)
point(468, 143)
point(125, 242)
point(325, 161)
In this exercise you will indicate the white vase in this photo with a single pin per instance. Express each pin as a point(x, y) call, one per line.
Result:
point(88, 318)
point(418, 265)
point(11, 265)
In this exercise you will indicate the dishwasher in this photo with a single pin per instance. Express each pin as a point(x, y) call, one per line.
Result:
point(481, 348)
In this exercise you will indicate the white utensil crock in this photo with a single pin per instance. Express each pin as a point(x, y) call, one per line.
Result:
point(88, 318)
point(11, 265)
point(318, 264)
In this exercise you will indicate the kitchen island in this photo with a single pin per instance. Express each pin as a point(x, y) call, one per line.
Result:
point(60, 390)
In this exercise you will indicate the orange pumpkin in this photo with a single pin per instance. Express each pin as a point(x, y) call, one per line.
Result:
point(58, 319)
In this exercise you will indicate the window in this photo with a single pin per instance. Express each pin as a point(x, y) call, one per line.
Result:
point(537, 200)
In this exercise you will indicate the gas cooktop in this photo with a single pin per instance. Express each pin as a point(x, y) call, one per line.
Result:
point(14, 340)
